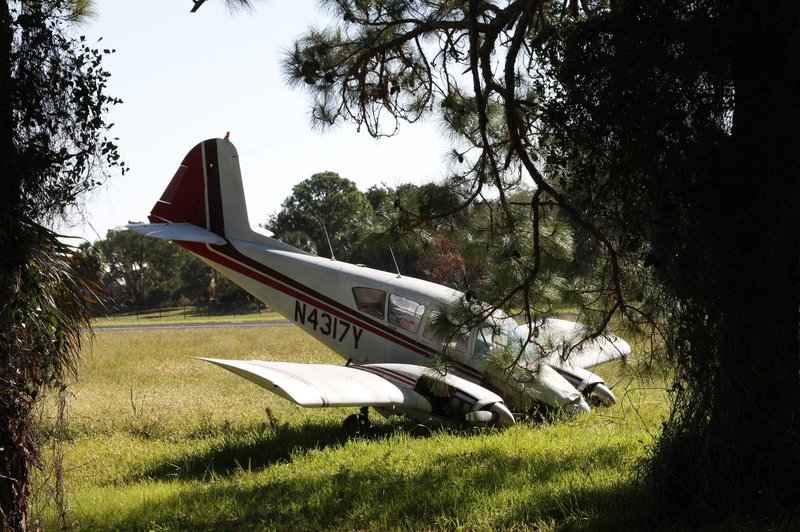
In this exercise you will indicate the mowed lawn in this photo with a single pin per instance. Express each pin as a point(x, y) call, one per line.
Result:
point(157, 440)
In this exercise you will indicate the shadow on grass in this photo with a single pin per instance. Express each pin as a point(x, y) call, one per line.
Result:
point(488, 488)
point(261, 448)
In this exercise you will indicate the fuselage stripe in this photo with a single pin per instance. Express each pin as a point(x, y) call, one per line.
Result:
point(384, 372)
point(216, 219)
point(228, 256)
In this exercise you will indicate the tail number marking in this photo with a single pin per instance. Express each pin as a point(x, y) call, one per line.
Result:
point(325, 324)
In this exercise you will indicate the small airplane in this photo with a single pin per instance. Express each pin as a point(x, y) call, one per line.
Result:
point(381, 323)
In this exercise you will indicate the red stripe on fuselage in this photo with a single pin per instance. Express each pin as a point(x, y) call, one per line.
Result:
point(384, 372)
point(231, 258)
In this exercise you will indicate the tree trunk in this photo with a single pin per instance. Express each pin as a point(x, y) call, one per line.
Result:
point(753, 438)
point(15, 402)
point(15, 429)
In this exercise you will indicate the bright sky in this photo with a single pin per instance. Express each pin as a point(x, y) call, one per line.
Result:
point(188, 77)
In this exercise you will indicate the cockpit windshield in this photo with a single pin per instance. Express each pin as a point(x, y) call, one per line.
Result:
point(522, 333)
point(500, 334)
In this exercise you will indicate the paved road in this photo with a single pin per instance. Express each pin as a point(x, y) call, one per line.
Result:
point(209, 325)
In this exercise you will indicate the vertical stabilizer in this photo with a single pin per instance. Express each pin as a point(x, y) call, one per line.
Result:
point(207, 191)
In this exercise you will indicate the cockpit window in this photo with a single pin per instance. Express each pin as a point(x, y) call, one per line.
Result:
point(370, 300)
point(405, 313)
point(492, 336)
point(459, 342)
point(483, 342)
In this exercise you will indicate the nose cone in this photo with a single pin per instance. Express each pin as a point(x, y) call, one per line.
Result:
point(504, 416)
point(497, 415)
point(581, 406)
point(601, 395)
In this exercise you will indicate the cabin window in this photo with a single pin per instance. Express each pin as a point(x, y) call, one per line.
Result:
point(370, 300)
point(405, 313)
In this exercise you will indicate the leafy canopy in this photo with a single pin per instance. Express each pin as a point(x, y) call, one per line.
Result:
point(322, 207)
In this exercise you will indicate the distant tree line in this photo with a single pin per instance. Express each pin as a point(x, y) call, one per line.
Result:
point(135, 271)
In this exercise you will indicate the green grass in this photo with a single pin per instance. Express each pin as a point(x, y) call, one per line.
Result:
point(160, 441)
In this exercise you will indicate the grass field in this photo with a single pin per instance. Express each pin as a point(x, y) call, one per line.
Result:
point(160, 441)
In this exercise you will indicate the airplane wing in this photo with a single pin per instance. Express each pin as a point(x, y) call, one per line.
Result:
point(319, 385)
point(592, 353)
point(378, 385)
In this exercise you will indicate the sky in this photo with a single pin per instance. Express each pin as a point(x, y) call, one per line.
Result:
point(185, 77)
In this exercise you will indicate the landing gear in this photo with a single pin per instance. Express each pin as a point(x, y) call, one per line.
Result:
point(420, 431)
point(359, 424)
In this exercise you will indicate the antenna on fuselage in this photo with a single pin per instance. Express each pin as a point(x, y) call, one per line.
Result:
point(330, 246)
point(466, 281)
point(396, 267)
point(327, 238)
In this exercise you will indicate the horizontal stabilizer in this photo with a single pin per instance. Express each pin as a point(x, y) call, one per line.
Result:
point(185, 232)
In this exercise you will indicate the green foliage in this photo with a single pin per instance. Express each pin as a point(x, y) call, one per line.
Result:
point(44, 320)
point(139, 271)
point(54, 146)
point(196, 278)
point(142, 271)
point(382, 244)
point(225, 292)
point(660, 142)
point(388, 62)
point(324, 203)
point(657, 131)
point(58, 102)
point(43, 324)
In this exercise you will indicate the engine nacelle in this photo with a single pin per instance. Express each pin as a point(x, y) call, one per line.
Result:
point(495, 414)
point(591, 385)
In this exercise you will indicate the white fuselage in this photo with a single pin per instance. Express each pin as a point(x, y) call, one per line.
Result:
point(320, 296)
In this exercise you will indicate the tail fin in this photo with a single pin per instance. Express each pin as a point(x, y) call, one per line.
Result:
point(207, 191)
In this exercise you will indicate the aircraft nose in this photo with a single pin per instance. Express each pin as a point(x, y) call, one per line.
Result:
point(497, 414)
point(602, 395)
point(504, 416)
point(581, 406)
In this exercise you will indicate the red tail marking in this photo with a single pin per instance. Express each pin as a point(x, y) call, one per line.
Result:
point(184, 200)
